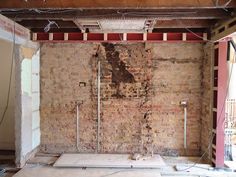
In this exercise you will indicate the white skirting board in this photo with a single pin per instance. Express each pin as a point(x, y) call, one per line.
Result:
point(108, 161)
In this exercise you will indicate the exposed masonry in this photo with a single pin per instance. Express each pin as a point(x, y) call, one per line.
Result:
point(141, 87)
point(206, 120)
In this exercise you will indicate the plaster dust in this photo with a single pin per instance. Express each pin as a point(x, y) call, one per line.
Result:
point(44, 171)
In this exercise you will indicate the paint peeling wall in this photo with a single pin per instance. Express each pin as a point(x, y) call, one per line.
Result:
point(141, 87)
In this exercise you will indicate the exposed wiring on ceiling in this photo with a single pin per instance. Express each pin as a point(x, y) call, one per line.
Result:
point(216, 3)
point(227, 3)
point(53, 11)
point(218, 121)
point(200, 37)
point(224, 6)
point(49, 25)
point(11, 72)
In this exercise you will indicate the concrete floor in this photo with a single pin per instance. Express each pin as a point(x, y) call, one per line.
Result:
point(37, 169)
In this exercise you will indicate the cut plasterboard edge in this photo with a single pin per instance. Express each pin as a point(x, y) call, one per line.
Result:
point(22, 34)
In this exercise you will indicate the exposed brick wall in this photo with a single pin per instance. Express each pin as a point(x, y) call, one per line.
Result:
point(64, 70)
point(141, 87)
point(177, 76)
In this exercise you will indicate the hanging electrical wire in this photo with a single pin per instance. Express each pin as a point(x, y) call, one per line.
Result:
point(49, 25)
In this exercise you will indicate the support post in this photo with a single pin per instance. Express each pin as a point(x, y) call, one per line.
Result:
point(221, 96)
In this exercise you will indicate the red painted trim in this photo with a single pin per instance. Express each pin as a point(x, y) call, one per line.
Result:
point(95, 37)
point(75, 36)
point(154, 36)
point(221, 96)
point(43, 36)
point(81, 41)
point(115, 37)
point(174, 36)
point(195, 36)
point(58, 36)
point(134, 36)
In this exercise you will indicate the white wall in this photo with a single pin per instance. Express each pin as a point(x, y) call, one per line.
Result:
point(7, 136)
point(35, 100)
point(27, 134)
point(30, 104)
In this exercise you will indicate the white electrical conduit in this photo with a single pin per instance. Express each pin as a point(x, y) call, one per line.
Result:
point(185, 127)
point(77, 127)
point(184, 104)
point(99, 107)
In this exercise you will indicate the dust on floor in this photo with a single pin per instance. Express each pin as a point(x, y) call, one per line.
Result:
point(42, 168)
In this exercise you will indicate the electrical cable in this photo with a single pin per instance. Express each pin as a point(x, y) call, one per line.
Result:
point(195, 34)
point(227, 3)
point(10, 77)
point(48, 26)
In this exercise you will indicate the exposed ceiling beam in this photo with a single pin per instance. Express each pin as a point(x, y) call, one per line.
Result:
point(154, 4)
point(30, 24)
point(113, 13)
point(184, 23)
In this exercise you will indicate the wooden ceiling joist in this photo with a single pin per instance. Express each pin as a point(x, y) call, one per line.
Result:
point(184, 23)
point(113, 13)
point(154, 4)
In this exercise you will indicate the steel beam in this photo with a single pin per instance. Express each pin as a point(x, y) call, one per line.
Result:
point(221, 98)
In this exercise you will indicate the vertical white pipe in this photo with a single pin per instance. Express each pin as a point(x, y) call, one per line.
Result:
point(185, 127)
point(77, 126)
point(98, 111)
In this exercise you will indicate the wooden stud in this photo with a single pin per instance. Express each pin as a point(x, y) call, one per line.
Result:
point(184, 36)
point(145, 36)
point(50, 36)
point(34, 36)
point(164, 36)
point(124, 36)
point(85, 36)
point(66, 36)
point(105, 36)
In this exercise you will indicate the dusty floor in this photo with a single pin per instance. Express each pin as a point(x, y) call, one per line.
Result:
point(7, 161)
point(41, 166)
